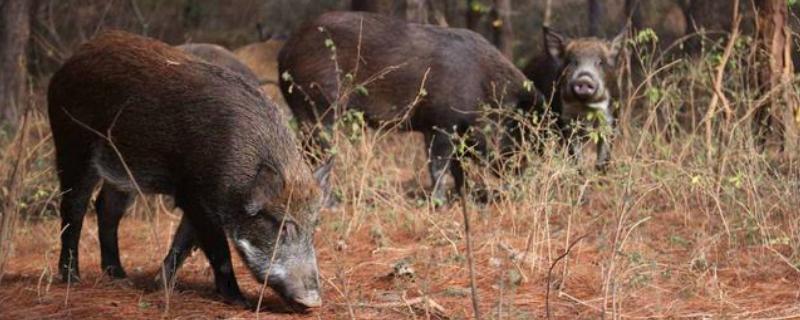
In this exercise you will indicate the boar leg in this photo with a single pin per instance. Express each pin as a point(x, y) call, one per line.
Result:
point(212, 240)
point(604, 145)
point(603, 155)
point(183, 243)
point(440, 160)
point(111, 205)
point(570, 137)
point(77, 179)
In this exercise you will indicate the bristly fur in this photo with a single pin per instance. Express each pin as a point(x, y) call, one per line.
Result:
point(201, 122)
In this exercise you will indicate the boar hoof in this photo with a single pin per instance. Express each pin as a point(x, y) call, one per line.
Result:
point(239, 301)
point(116, 272)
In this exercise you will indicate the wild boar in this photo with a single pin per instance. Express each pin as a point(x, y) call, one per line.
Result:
point(580, 77)
point(218, 55)
point(141, 116)
point(425, 78)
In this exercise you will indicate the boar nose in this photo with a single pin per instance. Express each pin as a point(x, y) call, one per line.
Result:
point(311, 299)
point(298, 286)
point(584, 88)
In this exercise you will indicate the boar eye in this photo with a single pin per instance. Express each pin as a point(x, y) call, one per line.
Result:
point(600, 62)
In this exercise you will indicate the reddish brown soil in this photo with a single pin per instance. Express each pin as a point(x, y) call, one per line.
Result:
point(742, 283)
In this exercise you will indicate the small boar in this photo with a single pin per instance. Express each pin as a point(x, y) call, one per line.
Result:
point(139, 115)
point(579, 75)
point(460, 71)
point(220, 56)
point(262, 58)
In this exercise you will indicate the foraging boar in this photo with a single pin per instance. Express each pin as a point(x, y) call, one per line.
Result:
point(145, 117)
point(579, 76)
point(220, 56)
point(424, 78)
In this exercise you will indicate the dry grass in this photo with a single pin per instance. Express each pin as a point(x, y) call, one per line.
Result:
point(677, 229)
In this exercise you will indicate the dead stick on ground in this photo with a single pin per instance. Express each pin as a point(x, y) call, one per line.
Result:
point(470, 262)
point(402, 304)
point(550, 274)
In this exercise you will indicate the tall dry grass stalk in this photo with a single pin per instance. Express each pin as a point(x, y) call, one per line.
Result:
point(11, 190)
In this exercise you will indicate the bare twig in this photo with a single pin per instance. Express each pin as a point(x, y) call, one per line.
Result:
point(550, 274)
point(425, 301)
point(140, 17)
point(717, 85)
point(470, 260)
point(274, 255)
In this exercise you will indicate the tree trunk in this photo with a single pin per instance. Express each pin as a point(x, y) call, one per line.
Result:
point(473, 14)
point(703, 16)
point(775, 69)
point(417, 11)
point(595, 18)
point(502, 33)
point(548, 13)
point(14, 34)
point(634, 13)
point(439, 14)
point(396, 8)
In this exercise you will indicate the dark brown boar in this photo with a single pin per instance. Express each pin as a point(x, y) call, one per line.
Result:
point(462, 73)
point(194, 131)
point(220, 56)
point(579, 76)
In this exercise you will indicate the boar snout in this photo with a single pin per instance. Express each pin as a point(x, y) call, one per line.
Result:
point(584, 87)
point(297, 284)
point(292, 273)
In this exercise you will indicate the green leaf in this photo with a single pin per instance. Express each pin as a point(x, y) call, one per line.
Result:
point(361, 90)
point(645, 36)
point(528, 85)
point(286, 76)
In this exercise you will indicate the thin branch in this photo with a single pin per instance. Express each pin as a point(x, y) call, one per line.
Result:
point(470, 260)
point(550, 274)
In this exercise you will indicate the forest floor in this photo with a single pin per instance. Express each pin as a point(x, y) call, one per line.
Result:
point(673, 259)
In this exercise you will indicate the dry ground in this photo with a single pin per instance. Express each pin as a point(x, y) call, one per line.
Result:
point(676, 255)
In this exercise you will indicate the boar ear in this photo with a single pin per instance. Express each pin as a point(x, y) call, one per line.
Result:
point(322, 175)
point(554, 42)
point(267, 185)
point(616, 44)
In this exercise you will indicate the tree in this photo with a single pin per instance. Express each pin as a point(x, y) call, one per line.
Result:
point(595, 17)
point(417, 11)
point(473, 14)
point(14, 34)
point(703, 16)
point(775, 72)
point(548, 13)
point(633, 13)
point(396, 8)
point(502, 33)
